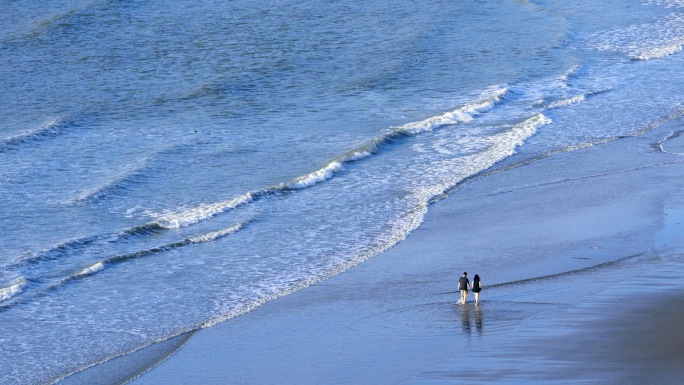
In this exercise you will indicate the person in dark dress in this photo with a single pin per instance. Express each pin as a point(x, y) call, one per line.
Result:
point(477, 287)
point(463, 286)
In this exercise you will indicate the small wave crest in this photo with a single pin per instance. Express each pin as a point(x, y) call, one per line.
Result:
point(565, 102)
point(463, 114)
point(90, 270)
point(55, 252)
point(331, 168)
point(126, 175)
point(571, 73)
point(317, 176)
point(47, 130)
point(13, 288)
point(214, 235)
point(199, 213)
point(101, 191)
point(358, 155)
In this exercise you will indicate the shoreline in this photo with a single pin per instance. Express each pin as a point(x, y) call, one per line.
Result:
point(552, 240)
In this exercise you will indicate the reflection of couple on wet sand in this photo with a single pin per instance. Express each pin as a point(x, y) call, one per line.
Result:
point(466, 321)
point(464, 285)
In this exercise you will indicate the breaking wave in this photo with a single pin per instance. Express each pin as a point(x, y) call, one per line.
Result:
point(15, 287)
point(90, 270)
point(462, 114)
point(196, 214)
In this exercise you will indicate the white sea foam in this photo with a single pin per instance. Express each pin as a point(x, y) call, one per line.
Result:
point(659, 52)
point(196, 214)
point(15, 287)
point(208, 237)
point(644, 41)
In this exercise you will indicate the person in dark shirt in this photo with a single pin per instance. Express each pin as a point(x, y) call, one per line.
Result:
point(463, 286)
point(477, 287)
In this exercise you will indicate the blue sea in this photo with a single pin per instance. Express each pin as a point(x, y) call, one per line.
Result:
point(166, 166)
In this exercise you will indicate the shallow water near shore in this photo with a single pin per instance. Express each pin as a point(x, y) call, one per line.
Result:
point(163, 170)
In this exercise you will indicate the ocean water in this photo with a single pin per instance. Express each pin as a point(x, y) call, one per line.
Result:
point(165, 167)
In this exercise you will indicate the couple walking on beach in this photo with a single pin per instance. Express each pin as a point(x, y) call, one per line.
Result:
point(464, 285)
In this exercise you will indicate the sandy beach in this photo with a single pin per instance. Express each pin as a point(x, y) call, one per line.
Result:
point(581, 258)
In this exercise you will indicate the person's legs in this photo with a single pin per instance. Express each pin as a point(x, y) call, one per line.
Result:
point(477, 297)
point(464, 294)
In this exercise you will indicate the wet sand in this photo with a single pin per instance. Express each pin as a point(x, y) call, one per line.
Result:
point(582, 263)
